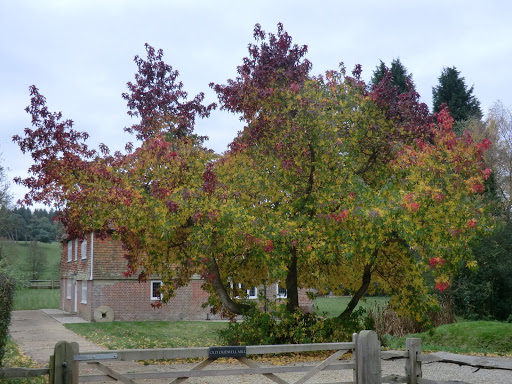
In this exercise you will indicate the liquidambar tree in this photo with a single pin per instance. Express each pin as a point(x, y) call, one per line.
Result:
point(329, 183)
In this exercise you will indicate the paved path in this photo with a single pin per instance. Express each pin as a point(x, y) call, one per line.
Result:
point(37, 332)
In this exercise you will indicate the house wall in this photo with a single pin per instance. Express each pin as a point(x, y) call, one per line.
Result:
point(131, 300)
point(125, 295)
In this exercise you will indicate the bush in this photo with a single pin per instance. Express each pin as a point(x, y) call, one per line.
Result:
point(387, 322)
point(484, 293)
point(282, 327)
point(6, 301)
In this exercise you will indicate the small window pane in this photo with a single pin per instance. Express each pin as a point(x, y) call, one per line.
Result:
point(84, 291)
point(68, 289)
point(155, 290)
point(70, 250)
point(83, 250)
point(281, 292)
point(252, 293)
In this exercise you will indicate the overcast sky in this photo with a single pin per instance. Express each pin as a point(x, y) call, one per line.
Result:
point(80, 53)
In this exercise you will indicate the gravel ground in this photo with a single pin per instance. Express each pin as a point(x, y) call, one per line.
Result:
point(432, 371)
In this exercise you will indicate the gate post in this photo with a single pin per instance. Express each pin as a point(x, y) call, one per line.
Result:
point(368, 365)
point(64, 367)
point(412, 365)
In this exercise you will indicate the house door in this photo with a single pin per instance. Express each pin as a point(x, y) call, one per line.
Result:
point(75, 302)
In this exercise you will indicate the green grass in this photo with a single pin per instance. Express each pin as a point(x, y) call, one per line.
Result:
point(150, 334)
point(17, 267)
point(332, 306)
point(36, 299)
point(481, 337)
point(14, 358)
point(53, 252)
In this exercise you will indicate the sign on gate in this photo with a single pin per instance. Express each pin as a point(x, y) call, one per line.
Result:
point(218, 352)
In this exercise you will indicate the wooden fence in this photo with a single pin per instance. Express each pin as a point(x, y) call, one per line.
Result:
point(365, 362)
point(44, 284)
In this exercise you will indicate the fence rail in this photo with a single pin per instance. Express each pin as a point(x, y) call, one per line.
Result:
point(365, 362)
point(20, 372)
point(44, 284)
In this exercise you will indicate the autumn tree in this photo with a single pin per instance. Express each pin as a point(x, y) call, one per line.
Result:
point(453, 91)
point(329, 183)
point(483, 293)
point(328, 172)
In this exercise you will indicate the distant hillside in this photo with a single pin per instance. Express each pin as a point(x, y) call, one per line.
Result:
point(30, 260)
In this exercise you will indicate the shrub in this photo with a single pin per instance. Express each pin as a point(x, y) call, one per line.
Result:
point(6, 301)
point(282, 327)
point(387, 322)
point(484, 293)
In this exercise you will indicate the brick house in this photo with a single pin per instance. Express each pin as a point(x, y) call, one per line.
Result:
point(93, 285)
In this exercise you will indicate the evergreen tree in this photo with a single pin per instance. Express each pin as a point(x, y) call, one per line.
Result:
point(453, 92)
point(401, 78)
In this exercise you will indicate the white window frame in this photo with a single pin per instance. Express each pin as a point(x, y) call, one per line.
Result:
point(70, 251)
point(153, 295)
point(281, 295)
point(76, 249)
point(250, 296)
point(84, 292)
point(83, 250)
point(68, 289)
point(247, 291)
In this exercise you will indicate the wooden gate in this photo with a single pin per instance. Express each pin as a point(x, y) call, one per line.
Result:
point(65, 364)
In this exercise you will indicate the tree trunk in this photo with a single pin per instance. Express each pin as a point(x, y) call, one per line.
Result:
point(292, 289)
point(365, 284)
point(227, 302)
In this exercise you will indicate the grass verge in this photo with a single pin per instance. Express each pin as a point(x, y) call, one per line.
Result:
point(150, 334)
point(14, 358)
point(25, 299)
point(467, 337)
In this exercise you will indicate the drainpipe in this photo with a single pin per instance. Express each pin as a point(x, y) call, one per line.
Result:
point(92, 255)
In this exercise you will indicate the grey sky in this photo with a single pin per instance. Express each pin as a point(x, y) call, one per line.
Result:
point(80, 53)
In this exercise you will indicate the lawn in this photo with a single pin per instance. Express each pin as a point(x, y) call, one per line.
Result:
point(331, 306)
point(25, 298)
point(150, 334)
point(465, 337)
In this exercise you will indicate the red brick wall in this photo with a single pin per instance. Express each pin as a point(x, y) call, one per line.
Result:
point(130, 300)
point(79, 268)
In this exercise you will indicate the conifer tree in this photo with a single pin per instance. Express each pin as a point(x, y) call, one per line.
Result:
point(398, 73)
point(453, 91)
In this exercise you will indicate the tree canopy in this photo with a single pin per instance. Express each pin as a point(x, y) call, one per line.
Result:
point(399, 75)
point(330, 183)
point(453, 91)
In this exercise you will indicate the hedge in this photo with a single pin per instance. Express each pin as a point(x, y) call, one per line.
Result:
point(6, 302)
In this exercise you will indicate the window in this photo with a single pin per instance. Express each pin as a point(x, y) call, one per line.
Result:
point(155, 290)
point(281, 292)
point(84, 291)
point(68, 289)
point(70, 250)
point(252, 293)
point(76, 249)
point(83, 250)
